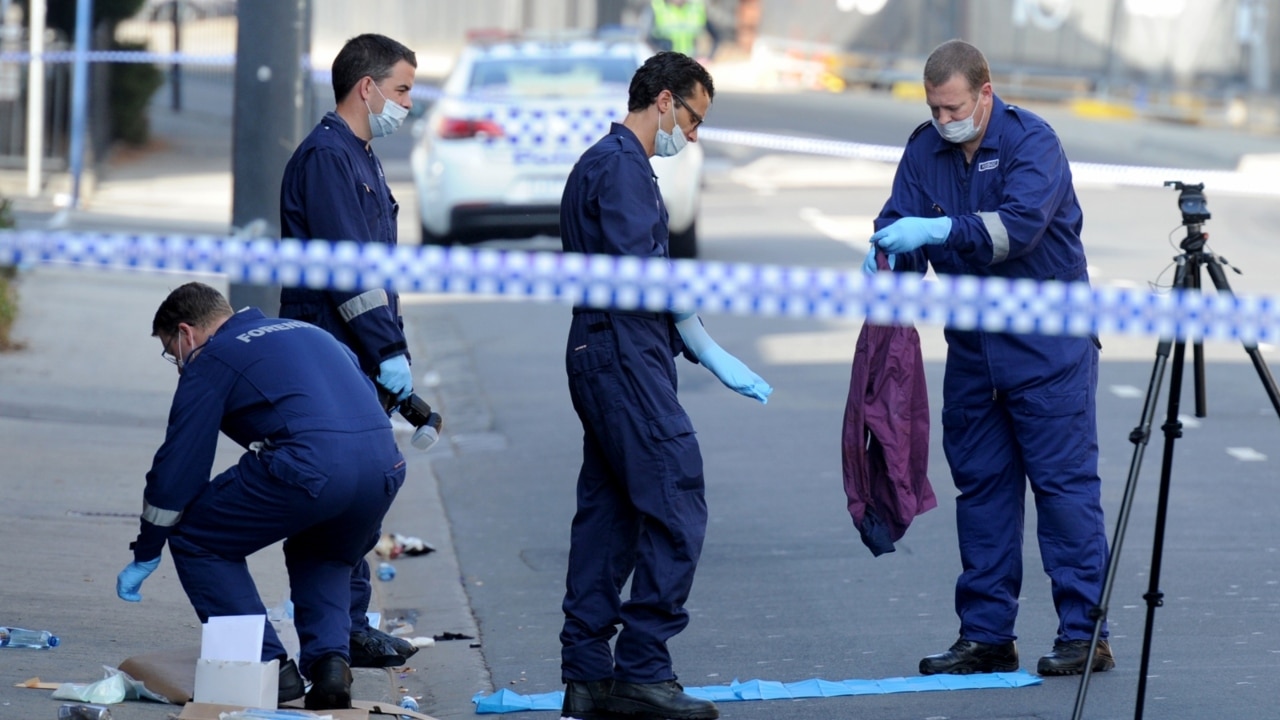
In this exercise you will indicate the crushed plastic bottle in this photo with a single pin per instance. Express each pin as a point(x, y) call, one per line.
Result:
point(12, 637)
point(386, 572)
point(72, 711)
point(408, 703)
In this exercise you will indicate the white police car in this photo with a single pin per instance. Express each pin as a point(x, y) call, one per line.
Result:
point(493, 152)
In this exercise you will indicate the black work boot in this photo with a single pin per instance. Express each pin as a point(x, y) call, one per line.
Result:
point(663, 699)
point(967, 656)
point(1068, 656)
point(330, 684)
point(291, 686)
point(586, 700)
point(372, 648)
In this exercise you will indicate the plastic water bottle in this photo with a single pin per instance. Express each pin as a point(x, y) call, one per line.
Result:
point(386, 572)
point(408, 703)
point(83, 712)
point(11, 637)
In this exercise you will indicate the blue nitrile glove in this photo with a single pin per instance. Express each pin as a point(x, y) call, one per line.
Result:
point(910, 233)
point(129, 581)
point(395, 377)
point(869, 265)
point(732, 372)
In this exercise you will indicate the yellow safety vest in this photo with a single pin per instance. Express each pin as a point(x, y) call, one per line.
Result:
point(681, 25)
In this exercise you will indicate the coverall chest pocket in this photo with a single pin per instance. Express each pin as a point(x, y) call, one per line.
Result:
point(992, 191)
point(371, 210)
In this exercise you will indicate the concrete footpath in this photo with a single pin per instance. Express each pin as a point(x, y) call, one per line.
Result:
point(83, 407)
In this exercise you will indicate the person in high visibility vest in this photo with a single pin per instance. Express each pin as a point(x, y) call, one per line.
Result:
point(676, 24)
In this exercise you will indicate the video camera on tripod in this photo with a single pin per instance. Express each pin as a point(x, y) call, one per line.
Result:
point(419, 414)
point(1191, 200)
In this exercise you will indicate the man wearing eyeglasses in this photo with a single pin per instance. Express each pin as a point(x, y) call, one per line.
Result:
point(319, 471)
point(641, 505)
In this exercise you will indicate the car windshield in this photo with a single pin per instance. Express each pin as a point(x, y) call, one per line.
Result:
point(542, 77)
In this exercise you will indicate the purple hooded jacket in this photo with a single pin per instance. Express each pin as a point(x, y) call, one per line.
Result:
point(886, 436)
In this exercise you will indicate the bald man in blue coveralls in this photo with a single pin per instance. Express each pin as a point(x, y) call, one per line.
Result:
point(319, 471)
point(642, 509)
point(985, 189)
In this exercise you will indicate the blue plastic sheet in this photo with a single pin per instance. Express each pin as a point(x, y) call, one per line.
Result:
point(505, 701)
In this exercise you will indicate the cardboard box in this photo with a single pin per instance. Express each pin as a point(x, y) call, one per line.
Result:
point(232, 682)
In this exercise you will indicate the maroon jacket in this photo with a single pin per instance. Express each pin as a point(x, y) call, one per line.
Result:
point(886, 436)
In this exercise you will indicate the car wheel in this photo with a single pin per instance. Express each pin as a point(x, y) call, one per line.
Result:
point(684, 244)
point(430, 238)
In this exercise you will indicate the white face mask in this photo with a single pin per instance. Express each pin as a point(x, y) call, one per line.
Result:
point(388, 121)
point(959, 131)
point(666, 144)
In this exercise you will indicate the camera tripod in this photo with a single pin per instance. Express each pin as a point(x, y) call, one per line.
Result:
point(1193, 259)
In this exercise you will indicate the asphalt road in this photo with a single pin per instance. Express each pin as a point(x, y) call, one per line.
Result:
point(785, 590)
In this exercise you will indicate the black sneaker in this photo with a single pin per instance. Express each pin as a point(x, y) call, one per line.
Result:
point(664, 699)
point(967, 657)
point(291, 686)
point(372, 648)
point(1068, 656)
point(330, 684)
point(586, 700)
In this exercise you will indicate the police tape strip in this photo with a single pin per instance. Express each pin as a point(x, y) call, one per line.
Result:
point(1097, 173)
point(655, 284)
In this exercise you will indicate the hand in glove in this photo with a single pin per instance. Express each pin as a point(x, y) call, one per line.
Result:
point(732, 372)
point(910, 233)
point(869, 265)
point(395, 377)
point(129, 581)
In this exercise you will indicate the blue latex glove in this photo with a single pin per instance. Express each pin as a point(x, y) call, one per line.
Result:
point(869, 265)
point(395, 377)
point(129, 581)
point(911, 233)
point(730, 370)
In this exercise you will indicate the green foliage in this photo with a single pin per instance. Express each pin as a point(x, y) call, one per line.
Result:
point(61, 14)
point(8, 293)
point(132, 85)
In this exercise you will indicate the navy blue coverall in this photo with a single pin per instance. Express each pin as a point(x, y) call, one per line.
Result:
point(1015, 407)
point(642, 508)
point(321, 468)
point(334, 189)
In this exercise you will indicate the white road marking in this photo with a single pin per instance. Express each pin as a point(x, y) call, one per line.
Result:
point(1246, 454)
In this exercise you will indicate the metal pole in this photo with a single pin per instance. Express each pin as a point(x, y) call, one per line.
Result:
point(35, 100)
point(175, 70)
point(80, 96)
point(272, 93)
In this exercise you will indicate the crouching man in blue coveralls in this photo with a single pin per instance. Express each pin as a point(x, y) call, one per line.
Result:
point(985, 189)
point(321, 468)
point(642, 510)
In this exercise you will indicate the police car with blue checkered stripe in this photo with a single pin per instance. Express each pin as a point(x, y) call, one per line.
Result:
point(493, 152)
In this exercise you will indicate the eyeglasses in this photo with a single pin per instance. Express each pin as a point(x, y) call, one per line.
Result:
point(697, 119)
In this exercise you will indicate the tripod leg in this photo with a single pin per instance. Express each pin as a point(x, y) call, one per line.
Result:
point(1192, 282)
point(1139, 437)
point(1251, 348)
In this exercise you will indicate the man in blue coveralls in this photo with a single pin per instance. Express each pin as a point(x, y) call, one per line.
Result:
point(334, 189)
point(642, 508)
point(985, 189)
point(321, 468)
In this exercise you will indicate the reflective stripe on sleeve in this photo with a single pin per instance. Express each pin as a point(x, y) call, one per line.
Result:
point(363, 303)
point(160, 516)
point(999, 236)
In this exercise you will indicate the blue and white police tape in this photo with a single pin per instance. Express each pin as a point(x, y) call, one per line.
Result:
point(655, 284)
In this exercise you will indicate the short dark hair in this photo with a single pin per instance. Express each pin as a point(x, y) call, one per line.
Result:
point(369, 54)
point(194, 304)
point(957, 56)
point(672, 71)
